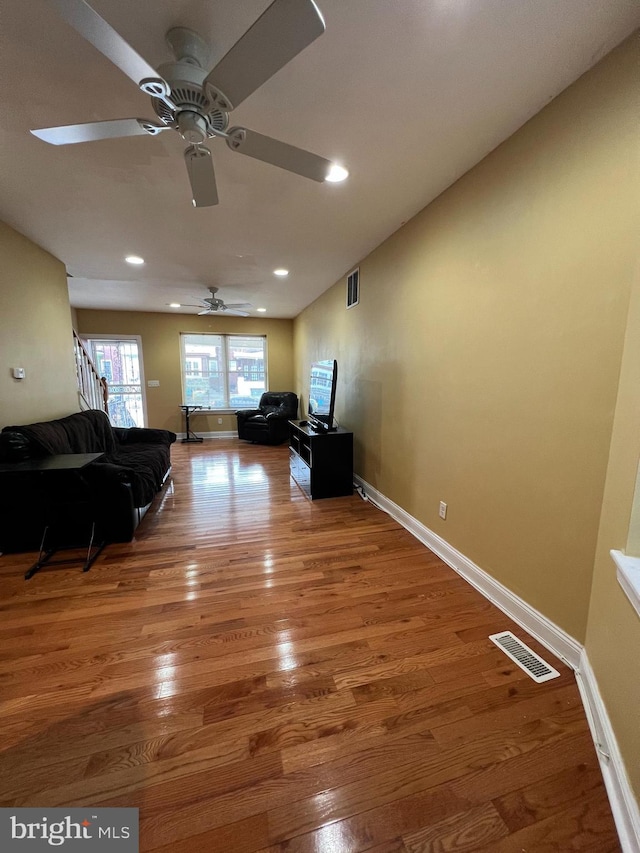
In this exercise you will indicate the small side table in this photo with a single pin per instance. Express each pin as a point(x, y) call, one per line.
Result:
point(59, 469)
point(190, 436)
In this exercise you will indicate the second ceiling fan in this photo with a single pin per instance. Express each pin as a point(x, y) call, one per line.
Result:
point(213, 305)
point(196, 102)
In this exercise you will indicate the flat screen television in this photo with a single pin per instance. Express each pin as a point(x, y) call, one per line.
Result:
point(322, 394)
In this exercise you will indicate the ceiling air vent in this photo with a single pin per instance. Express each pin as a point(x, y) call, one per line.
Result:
point(525, 657)
point(353, 288)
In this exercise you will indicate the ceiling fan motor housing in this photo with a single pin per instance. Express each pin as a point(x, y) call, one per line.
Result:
point(195, 118)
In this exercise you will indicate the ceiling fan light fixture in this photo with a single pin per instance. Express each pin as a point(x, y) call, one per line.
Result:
point(281, 272)
point(192, 127)
point(134, 260)
point(261, 310)
point(336, 174)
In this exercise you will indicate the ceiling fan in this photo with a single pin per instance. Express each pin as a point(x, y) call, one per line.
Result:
point(196, 102)
point(213, 305)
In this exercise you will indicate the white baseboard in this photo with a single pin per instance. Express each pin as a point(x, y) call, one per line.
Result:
point(621, 797)
point(544, 630)
point(624, 805)
point(218, 434)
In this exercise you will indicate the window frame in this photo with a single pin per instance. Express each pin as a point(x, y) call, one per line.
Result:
point(225, 338)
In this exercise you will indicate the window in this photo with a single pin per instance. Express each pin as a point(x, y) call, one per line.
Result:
point(119, 360)
point(223, 371)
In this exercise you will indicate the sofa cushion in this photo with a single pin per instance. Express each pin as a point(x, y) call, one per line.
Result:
point(143, 435)
point(147, 464)
point(100, 433)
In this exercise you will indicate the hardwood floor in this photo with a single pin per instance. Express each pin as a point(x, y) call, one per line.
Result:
point(257, 672)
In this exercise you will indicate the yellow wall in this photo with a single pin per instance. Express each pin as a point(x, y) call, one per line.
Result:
point(481, 366)
point(35, 333)
point(613, 632)
point(160, 335)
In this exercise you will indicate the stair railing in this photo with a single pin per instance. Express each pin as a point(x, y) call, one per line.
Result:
point(93, 389)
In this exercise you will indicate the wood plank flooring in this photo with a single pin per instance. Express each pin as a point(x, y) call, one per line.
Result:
point(257, 672)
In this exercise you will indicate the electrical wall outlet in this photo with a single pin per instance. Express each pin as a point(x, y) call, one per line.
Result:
point(219, 420)
point(442, 511)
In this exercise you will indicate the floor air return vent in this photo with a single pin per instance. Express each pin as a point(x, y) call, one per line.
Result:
point(525, 657)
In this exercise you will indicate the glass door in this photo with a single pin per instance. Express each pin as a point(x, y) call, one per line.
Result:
point(120, 362)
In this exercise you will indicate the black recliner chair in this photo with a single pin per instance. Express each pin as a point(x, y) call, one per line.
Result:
point(269, 423)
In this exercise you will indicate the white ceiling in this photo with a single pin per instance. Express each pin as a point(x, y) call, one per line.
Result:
point(408, 94)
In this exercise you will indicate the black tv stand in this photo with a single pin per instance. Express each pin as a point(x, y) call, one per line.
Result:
point(321, 463)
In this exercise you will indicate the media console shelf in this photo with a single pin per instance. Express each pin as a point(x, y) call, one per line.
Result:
point(321, 463)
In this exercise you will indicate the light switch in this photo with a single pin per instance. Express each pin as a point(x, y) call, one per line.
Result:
point(153, 383)
point(18, 372)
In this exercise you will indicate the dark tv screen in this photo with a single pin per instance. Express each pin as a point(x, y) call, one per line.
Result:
point(322, 392)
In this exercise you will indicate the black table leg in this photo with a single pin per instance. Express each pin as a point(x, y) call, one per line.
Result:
point(45, 555)
point(98, 548)
point(190, 436)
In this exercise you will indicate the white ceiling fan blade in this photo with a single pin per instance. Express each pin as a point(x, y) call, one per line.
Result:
point(234, 313)
point(278, 153)
point(235, 306)
point(102, 36)
point(93, 131)
point(284, 29)
point(201, 176)
point(223, 309)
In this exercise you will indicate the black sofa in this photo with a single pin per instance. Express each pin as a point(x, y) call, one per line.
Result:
point(269, 423)
point(118, 488)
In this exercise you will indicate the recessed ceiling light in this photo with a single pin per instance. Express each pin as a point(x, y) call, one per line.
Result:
point(336, 174)
point(175, 305)
point(134, 259)
point(261, 310)
point(281, 272)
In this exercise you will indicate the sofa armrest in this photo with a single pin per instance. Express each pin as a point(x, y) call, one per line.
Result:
point(14, 447)
point(101, 474)
point(245, 414)
point(144, 435)
point(112, 496)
